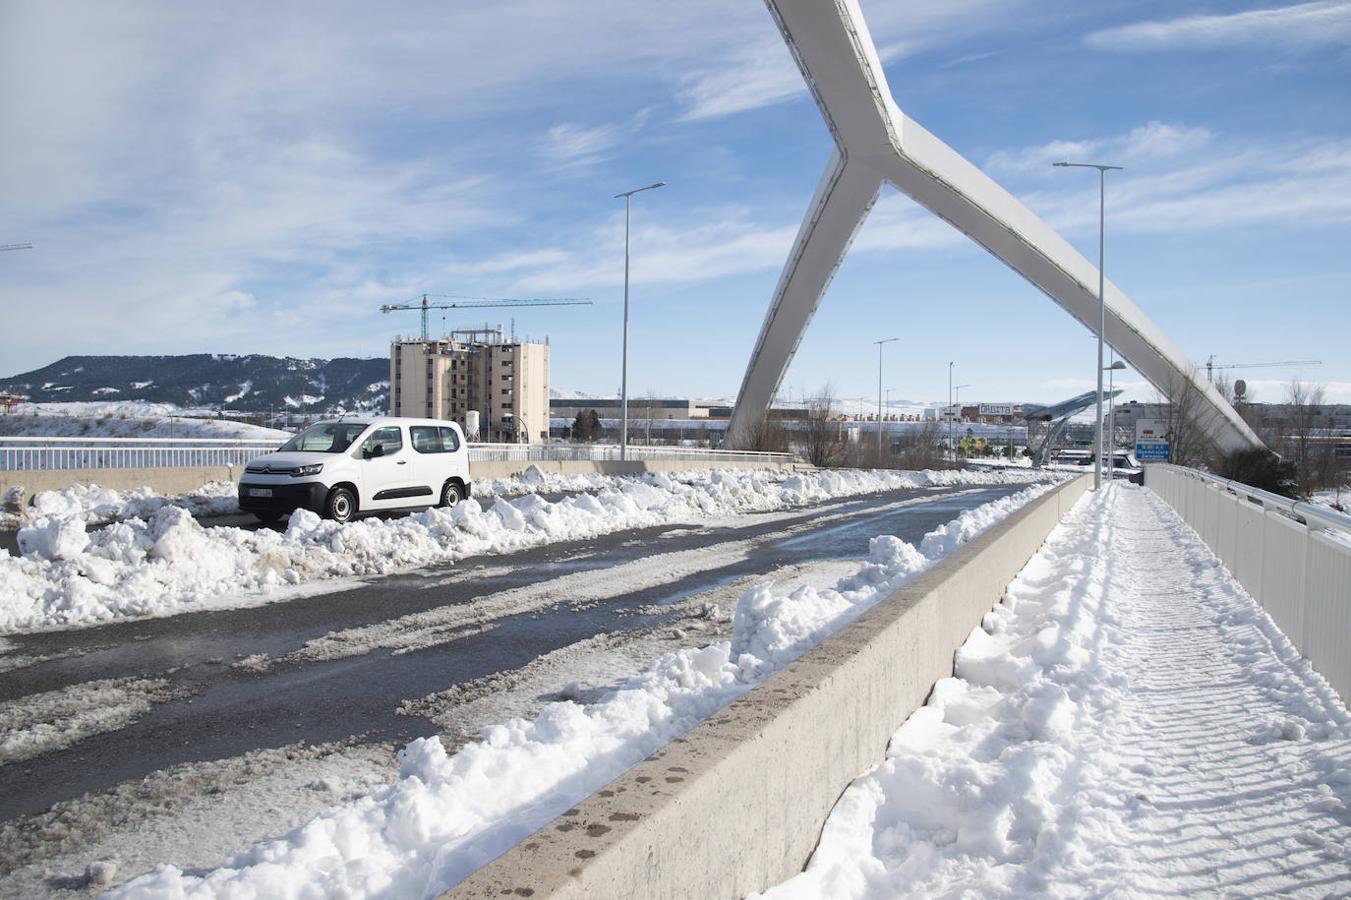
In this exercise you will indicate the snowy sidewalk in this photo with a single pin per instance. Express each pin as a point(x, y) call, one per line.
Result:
point(1128, 722)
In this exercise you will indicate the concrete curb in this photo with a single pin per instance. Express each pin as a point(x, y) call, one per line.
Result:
point(165, 480)
point(737, 804)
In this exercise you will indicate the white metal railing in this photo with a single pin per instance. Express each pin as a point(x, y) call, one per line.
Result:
point(1294, 558)
point(30, 453)
point(610, 453)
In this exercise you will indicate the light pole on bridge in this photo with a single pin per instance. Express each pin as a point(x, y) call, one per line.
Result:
point(879, 393)
point(1102, 300)
point(624, 373)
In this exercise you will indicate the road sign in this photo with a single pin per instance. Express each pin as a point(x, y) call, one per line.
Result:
point(1151, 442)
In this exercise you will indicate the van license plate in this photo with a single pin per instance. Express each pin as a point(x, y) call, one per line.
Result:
point(260, 492)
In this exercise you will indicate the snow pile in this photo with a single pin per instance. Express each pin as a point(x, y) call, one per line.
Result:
point(96, 505)
point(447, 815)
point(1334, 499)
point(168, 563)
point(11, 506)
point(817, 485)
point(1126, 719)
point(535, 480)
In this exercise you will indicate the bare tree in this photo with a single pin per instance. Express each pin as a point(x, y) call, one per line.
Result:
point(823, 433)
point(768, 435)
point(921, 448)
point(1301, 435)
point(1188, 419)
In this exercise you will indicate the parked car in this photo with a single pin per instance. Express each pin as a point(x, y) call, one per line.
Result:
point(1072, 457)
point(346, 466)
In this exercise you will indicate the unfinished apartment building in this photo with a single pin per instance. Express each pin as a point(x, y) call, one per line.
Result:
point(474, 377)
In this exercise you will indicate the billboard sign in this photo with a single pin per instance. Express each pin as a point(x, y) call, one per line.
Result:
point(996, 409)
point(1151, 442)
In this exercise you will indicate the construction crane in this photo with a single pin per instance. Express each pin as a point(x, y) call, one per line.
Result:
point(26, 245)
point(1211, 367)
point(478, 303)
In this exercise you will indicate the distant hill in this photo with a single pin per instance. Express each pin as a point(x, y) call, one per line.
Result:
point(246, 383)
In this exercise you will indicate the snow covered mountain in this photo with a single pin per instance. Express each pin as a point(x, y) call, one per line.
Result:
point(248, 383)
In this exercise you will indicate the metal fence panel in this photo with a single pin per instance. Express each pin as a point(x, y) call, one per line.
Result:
point(1224, 526)
point(1283, 574)
point(1249, 521)
point(1327, 622)
point(1210, 500)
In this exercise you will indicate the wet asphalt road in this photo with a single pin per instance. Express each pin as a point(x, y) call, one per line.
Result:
point(225, 711)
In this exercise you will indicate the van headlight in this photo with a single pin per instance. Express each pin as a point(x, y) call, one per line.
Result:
point(311, 469)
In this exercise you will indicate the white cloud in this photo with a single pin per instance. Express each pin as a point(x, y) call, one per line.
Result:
point(569, 144)
point(758, 74)
point(1182, 179)
point(1305, 24)
point(754, 69)
point(898, 223)
point(1147, 143)
point(708, 244)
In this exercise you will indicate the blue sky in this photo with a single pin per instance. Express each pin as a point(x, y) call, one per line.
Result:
point(259, 177)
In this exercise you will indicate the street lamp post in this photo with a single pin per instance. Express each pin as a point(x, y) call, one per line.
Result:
point(1102, 300)
point(957, 406)
point(879, 393)
point(1116, 366)
point(951, 446)
point(624, 375)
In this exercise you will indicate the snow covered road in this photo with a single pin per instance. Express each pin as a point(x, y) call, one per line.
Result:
point(444, 651)
point(1126, 723)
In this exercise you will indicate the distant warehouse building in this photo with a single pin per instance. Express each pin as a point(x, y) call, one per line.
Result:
point(499, 390)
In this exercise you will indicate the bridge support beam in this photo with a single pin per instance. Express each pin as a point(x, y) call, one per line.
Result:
point(876, 143)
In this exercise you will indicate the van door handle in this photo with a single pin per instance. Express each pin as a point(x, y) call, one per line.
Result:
point(403, 462)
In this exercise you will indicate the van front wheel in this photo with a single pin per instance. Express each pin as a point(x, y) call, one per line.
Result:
point(341, 505)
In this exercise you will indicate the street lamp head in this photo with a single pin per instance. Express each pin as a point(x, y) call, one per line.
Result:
point(1115, 367)
point(1099, 166)
point(648, 187)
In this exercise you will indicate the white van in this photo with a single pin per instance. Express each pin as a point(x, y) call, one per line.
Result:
point(363, 464)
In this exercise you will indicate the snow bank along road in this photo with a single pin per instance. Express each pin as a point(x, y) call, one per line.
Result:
point(1127, 722)
point(167, 563)
point(219, 712)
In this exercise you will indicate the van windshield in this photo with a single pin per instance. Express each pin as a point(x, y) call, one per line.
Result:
point(326, 437)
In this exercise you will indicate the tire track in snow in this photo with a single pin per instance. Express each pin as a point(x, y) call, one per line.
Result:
point(577, 590)
point(40, 723)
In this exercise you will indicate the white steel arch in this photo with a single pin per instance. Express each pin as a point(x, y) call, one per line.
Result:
point(875, 144)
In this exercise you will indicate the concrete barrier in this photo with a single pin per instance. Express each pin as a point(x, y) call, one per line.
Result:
point(491, 469)
point(162, 480)
point(169, 481)
point(737, 804)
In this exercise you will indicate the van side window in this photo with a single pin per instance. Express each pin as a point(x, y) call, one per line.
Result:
point(426, 438)
point(388, 438)
point(450, 441)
